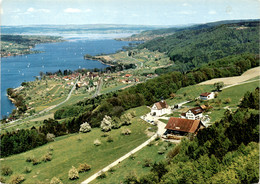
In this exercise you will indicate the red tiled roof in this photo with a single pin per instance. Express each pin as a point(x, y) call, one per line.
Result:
point(205, 94)
point(161, 105)
point(183, 125)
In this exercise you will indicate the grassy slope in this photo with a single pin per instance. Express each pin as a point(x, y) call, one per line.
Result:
point(69, 151)
point(136, 164)
point(235, 93)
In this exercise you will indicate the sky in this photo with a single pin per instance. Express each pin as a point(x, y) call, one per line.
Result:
point(134, 12)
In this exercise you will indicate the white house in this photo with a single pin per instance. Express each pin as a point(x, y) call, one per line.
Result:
point(207, 96)
point(194, 113)
point(160, 108)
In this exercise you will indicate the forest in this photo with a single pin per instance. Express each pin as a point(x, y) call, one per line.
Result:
point(189, 49)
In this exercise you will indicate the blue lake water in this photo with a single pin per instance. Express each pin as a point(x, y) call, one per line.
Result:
point(63, 55)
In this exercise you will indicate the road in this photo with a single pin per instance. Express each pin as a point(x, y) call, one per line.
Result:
point(160, 131)
point(97, 92)
point(43, 111)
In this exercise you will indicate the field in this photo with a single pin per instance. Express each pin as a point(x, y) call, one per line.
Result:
point(135, 164)
point(72, 150)
point(189, 93)
point(249, 74)
point(220, 104)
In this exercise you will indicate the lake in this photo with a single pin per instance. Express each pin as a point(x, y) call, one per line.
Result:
point(55, 56)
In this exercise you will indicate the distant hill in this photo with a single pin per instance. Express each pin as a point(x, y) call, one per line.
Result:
point(151, 34)
point(77, 29)
point(197, 45)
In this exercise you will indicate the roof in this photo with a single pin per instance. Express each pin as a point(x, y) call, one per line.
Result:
point(128, 75)
point(196, 110)
point(183, 125)
point(161, 105)
point(205, 94)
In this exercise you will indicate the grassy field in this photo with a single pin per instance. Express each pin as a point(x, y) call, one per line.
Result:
point(134, 164)
point(189, 93)
point(219, 104)
point(74, 149)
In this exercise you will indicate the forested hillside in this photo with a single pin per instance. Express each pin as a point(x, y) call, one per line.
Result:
point(192, 48)
point(151, 34)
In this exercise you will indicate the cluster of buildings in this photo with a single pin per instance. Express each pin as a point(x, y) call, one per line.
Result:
point(189, 122)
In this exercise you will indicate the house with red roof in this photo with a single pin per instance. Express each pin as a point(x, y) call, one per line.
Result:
point(179, 126)
point(160, 108)
point(207, 96)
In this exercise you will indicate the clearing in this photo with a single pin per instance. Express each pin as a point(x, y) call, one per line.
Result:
point(252, 73)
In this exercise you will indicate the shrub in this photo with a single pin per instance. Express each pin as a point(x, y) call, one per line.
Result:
point(6, 170)
point(50, 148)
point(116, 123)
point(29, 158)
point(47, 157)
point(97, 142)
point(126, 132)
point(27, 170)
point(110, 139)
point(161, 150)
point(150, 144)
point(147, 162)
point(112, 169)
point(36, 161)
point(126, 119)
point(84, 167)
point(102, 175)
point(50, 137)
point(157, 138)
point(131, 177)
point(85, 127)
point(132, 156)
point(17, 179)
point(79, 138)
point(73, 173)
point(106, 124)
point(227, 100)
point(105, 134)
point(2, 179)
point(55, 180)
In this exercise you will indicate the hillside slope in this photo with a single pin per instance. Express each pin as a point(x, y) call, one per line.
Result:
point(191, 48)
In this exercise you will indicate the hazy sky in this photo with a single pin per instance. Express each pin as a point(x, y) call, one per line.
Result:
point(145, 12)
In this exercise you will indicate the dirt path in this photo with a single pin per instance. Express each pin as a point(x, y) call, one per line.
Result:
point(249, 74)
point(160, 131)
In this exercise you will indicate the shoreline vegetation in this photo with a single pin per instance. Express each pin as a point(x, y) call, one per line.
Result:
point(16, 45)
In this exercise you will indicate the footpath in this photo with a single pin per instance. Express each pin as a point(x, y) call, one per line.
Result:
point(160, 131)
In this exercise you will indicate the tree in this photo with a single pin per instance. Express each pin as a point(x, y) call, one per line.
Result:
point(106, 124)
point(85, 127)
point(73, 173)
point(218, 85)
point(55, 180)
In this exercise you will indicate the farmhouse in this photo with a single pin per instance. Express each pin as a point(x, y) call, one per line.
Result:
point(160, 108)
point(179, 126)
point(207, 96)
point(194, 113)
